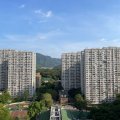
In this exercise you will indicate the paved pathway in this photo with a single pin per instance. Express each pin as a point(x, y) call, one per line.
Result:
point(55, 113)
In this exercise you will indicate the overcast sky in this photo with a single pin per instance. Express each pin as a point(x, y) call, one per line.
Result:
point(52, 27)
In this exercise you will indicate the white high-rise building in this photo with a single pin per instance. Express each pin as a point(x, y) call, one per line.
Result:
point(17, 72)
point(71, 70)
point(102, 74)
point(99, 74)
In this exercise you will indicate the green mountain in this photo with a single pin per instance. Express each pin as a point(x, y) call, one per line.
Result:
point(46, 61)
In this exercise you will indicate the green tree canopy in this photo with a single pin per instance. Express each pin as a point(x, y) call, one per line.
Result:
point(118, 97)
point(4, 113)
point(35, 108)
point(53, 93)
point(79, 102)
point(106, 111)
point(54, 73)
point(5, 97)
point(26, 95)
point(51, 88)
point(78, 98)
point(72, 92)
point(48, 99)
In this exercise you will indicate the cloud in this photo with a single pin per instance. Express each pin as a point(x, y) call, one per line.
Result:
point(49, 14)
point(103, 40)
point(46, 14)
point(22, 6)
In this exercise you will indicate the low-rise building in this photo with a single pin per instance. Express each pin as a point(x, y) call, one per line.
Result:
point(63, 97)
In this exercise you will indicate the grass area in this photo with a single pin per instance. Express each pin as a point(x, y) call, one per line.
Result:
point(72, 114)
point(45, 115)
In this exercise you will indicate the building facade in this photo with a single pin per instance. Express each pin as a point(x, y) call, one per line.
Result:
point(17, 72)
point(71, 70)
point(99, 74)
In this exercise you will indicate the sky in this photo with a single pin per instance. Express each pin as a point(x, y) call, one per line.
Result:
point(52, 27)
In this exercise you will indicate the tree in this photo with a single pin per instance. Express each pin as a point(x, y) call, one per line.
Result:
point(58, 86)
point(79, 102)
point(72, 92)
point(4, 113)
point(106, 111)
point(53, 93)
point(80, 105)
point(34, 96)
point(54, 73)
point(78, 98)
point(26, 95)
point(35, 108)
point(51, 88)
point(5, 97)
point(48, 99)
point(118, 97)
